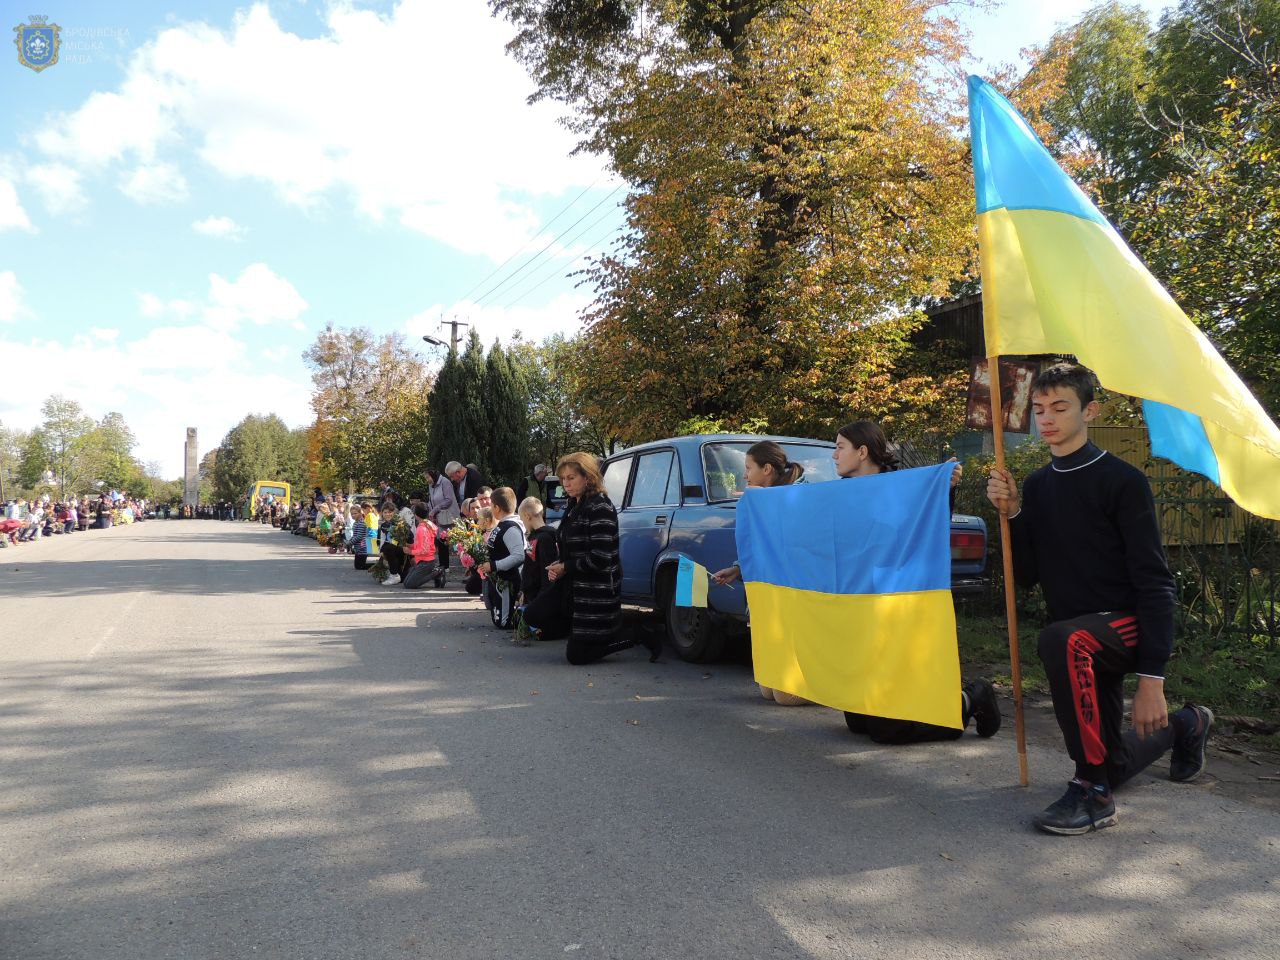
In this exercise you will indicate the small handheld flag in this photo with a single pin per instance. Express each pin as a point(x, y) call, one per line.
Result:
point(691, 584)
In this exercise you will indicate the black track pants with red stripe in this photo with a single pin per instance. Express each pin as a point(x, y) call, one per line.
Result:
point(1086, 660)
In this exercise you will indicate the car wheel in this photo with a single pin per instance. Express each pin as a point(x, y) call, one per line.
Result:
point(690, 631)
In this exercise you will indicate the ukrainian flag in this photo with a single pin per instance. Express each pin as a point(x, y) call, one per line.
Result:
point(1058, 278)
point(692, 581)
point(849, 587)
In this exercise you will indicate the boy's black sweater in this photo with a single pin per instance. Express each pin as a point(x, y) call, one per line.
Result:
point(1088, 534)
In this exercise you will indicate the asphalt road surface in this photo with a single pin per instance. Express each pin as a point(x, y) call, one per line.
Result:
point(217, 741)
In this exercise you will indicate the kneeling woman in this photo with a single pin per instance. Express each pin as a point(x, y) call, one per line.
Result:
point(585, 595)
point(766, 465)
point(862, 450)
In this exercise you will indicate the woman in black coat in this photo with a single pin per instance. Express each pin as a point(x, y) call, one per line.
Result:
point(587, 579)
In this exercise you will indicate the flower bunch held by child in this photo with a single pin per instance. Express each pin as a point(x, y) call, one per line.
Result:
point(466, 539)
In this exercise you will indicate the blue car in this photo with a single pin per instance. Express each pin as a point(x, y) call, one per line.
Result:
point(680, 496)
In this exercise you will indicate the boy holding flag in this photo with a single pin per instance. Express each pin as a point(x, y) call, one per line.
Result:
point(1085, 528)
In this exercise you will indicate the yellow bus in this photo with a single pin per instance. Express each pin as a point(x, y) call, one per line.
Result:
point(278, 490)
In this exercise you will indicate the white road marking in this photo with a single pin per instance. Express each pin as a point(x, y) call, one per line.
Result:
point(106, 634)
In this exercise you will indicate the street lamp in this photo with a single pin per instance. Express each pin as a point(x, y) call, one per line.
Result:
point(433, 341)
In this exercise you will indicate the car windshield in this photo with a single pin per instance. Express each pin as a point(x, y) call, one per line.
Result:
point(273, 490)
point(725, 465)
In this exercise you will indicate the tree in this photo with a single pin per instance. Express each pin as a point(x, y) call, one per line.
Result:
point(796, 183)
point(109, 452)
point(470, 400)
point(557, 421)
point(1097, 113)
point(257, 448)
point(447, 430)
point(12, 443)
point(207, 472)
point(1180, 128)
point(59, 445)
point(507, 415)
point(369, 396)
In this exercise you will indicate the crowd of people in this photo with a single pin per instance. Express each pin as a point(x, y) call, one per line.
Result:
point(543, 583)
point(1083, 527)
point(29, 521)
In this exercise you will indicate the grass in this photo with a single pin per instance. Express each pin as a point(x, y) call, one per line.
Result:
point(984, 648)
point(1234, 676)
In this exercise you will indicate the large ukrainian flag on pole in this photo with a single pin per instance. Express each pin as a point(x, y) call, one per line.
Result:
point(1058, 278)
point(849, 587)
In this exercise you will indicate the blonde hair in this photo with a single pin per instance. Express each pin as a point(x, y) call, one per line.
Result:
point(586, 465)
point(484, 516)
point(531, 511)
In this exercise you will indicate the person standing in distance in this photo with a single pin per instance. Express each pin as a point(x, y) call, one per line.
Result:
point(1085, 528)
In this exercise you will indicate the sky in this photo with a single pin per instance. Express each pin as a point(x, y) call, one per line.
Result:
point(195, 189)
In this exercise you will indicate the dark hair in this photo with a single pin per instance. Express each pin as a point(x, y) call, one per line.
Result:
point(867, 433)
point(1070, 376)
point(420, 511)
point(388, 505)
point(766, 453)
point(505, 498)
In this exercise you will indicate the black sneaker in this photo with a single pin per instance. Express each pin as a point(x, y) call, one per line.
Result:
point(1187, 759)
point(1082, 808)
point(984, 707)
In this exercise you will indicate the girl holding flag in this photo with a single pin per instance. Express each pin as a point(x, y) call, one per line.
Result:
point(766, 466)
point(862, 450)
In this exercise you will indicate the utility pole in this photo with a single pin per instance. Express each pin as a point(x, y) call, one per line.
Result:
point(453, 324)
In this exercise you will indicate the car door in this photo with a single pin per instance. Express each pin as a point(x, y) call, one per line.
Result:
point(645, 521)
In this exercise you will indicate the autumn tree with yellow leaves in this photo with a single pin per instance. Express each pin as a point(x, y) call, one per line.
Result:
point(798, 184)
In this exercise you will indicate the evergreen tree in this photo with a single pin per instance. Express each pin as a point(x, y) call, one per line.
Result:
point(507, 414)
point(447, 436)
point(470, 398)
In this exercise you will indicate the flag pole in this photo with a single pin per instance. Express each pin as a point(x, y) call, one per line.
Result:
point(1006, 552)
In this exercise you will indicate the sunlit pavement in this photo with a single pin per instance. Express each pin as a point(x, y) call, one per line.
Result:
point(218, 741)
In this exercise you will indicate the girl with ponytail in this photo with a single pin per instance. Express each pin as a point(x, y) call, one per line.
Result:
point(862, 450)
point(767, 466)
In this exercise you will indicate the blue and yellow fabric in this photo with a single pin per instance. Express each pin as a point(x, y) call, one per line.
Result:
point(692, 582)
point(1058, 278)
point(849, 587)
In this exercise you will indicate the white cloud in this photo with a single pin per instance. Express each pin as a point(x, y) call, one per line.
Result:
point(59, 186)
point(12, 306)
point(222, 227)
point(12, 216)
point(258, 295)
point(106, 334)
point(150, 306)
point(169, 379)
point(155, 183)
point(372, 110)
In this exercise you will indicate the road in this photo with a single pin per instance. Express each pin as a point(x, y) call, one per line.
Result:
point(218, 741)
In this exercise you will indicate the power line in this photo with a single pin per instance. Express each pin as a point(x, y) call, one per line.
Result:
point(557, 267)
point(550, 243)
point(555, 273)
point(563, 210)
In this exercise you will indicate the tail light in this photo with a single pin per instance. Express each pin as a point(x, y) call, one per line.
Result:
point(967, 546)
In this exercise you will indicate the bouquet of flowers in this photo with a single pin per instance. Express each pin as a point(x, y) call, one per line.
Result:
point(380, 571)
point(401, 533)
point(466, 539)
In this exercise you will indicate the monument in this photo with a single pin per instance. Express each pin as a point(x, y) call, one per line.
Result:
point(191, 479)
